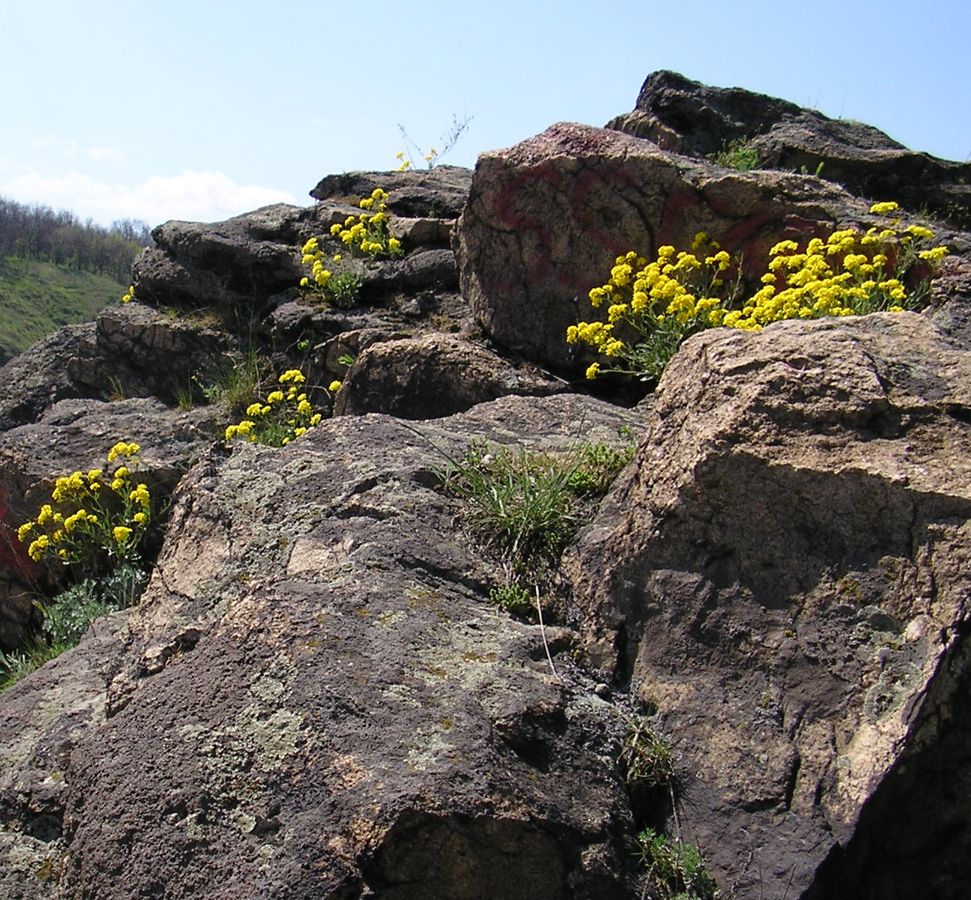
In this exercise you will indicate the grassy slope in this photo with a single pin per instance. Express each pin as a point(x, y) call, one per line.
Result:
point(38, 298)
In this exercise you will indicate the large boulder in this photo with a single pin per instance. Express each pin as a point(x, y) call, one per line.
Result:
point(688, 117)
point(313, 698)
point(786, 576)
point(40, 376)
point(546, 218)
point(231, 268)
point(432, 376)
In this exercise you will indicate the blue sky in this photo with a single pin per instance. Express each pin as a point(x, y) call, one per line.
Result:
point(204, 109)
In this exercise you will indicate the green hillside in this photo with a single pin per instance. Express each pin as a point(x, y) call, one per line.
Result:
point(37, 298)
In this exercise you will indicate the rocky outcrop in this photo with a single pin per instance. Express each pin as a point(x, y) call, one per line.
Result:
point(326, 705)
point(436, 375)
point(36, 379)
point(230, 268)
point(439, 193)
point(317, 697)
point(785, 576)
point(688, 117)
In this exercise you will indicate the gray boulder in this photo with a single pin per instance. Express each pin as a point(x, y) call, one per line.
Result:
point(432, 376)
point(786, 575)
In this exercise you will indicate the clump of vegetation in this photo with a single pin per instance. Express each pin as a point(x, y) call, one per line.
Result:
point(523, 507)
point(646, 758)
point(654, 305)
point(94, 525)
point(336, 279)
point(235, 380)
point(284, 414)
point(737, 154)
point(339, 287)
point(675, 870)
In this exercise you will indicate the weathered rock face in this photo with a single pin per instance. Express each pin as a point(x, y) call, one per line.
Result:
point(786, 577)
point(436, 375)
point(141, 352)
point(546, 218)
point(36, 379)
point(314, 700)
point(692, 118)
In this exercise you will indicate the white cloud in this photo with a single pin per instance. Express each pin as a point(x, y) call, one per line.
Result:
point(193, 196)
point(107, 154)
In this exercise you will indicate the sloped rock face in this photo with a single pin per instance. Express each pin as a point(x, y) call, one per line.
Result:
point(314, 700)
point(786, 577)
point(36, 379)
point(546, 219)
point(688, 117)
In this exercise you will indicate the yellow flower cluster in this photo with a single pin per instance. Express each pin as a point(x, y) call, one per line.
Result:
point(313, 256)
point(93, 514)
point(849, 273)
point(129, 295)
point(281, 417)
point(369, 234)
point(653, 306)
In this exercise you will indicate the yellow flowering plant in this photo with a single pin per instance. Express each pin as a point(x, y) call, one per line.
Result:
point(95, 519)
point(340, 286)
point(366, 233)
point(129, 295)
point(653, 306)
point(284, 414)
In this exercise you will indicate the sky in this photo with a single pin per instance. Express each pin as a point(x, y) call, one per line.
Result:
point(204, 109)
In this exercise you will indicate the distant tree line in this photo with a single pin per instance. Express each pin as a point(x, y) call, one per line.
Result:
point(40, 233)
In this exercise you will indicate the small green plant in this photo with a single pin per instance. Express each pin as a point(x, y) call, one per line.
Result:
point(653, 306)
point(285, 413)
point(523, 507)
point(513, 597)
point(737, 154)
point(68, 616)
point(235, 380)
point(675, 870)
point(646, 758)
point(597, 466)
